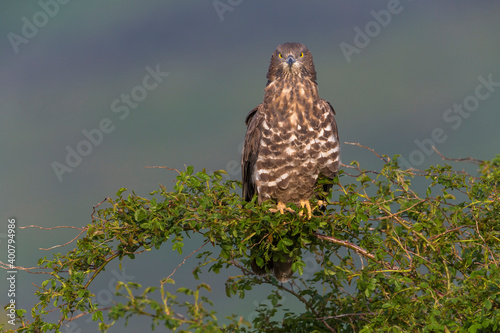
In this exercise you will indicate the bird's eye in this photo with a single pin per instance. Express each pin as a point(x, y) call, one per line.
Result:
point(279, 55)
point(301, 55)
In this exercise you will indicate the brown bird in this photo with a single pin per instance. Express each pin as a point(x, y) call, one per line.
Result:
point(291, 139)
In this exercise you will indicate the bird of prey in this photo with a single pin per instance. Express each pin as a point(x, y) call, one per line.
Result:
point(291, 136)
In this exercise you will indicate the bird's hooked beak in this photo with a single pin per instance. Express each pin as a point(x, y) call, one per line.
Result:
point(290, 60)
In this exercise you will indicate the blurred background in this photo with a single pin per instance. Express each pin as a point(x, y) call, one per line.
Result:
point(93, 92)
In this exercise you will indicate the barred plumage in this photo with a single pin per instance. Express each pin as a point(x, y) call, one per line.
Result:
point(292, 136)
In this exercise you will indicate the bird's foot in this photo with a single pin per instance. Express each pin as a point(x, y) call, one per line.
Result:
point(281, 207)
point(307, 204)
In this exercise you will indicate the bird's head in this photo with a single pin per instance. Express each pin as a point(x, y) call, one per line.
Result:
point(291, 59)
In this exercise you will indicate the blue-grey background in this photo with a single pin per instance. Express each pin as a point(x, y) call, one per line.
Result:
point(62, 78)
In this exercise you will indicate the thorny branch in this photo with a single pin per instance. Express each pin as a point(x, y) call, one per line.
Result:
point(354, 247)
point(385, 159)
point(27, 269)
point(361, 251)
point(465, 159)
point(282, 286)
point(184, 261)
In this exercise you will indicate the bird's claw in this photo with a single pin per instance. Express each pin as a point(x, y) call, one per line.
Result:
point(281, 207)
point(307, 204)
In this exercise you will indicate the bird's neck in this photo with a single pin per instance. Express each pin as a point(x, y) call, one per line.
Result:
point(291, 90)
point(291, 100)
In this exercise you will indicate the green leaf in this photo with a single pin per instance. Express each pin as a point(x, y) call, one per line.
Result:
point(487, 304)
point(363, 178)
point(259, 261)
point(97, 316)
point(449, 197)
point(140, 214)
point(474, 328)
point(178, 246)
point(120, 191)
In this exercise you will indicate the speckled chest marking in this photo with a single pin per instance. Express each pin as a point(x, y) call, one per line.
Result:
point(297, 141)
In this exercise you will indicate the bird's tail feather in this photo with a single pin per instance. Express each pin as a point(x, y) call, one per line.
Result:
point(282, 270)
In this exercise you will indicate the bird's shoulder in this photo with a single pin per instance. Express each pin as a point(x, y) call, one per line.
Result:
point(326, 106)
point(254, 117)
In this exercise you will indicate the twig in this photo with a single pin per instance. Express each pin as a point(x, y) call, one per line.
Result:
point(306, 303)
point(448, 231)
point(291, 291)
point(348, 315)
point(385, 159)
point(61, 245)
point(27, 269)
point(52, 228)
point(361, 172)
point(162, 167)
point(95, 206)
point(184, 261)
point(86, 313)
point(354, 247)
point(59, 227)
point(98, 270)
point(402, 211)
point(465, 159)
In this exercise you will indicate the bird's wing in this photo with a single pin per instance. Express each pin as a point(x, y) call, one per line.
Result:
point(250, 150)
point(335, 165)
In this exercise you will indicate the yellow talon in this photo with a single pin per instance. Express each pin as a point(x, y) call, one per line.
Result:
point(281, 207)
point(307, 204)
